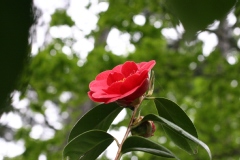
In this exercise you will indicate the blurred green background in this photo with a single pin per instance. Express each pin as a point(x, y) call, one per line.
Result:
point(73, 42)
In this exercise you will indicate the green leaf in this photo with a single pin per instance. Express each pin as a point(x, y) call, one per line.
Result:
point(198, 14)
point(88, 145)
point(136, 143)
point(178, 131)
point(173, 113)
point(100, 117)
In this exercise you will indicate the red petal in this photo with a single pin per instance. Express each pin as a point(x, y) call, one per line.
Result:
point(146, 65)
point(103, 75)
point(103, 98)
point(133, 81)
point(97, 99)
point(112, 100)
point(98, 85)
point(129, 68)
point(118, 68)
point(99, 95)
point(114, 77)
point(114, 88)
point(139, 91)
point(136, 92)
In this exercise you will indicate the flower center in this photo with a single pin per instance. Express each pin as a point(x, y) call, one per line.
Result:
point(122, 80)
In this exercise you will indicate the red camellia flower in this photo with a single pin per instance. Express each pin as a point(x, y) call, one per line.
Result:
point(123, 84)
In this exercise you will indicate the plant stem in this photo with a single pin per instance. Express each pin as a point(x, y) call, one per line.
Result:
point(118, 155)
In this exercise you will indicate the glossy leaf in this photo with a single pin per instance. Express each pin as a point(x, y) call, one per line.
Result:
point(136, 143)
point(88, 145)
point(178, 132)
point(173, 113)
point(100, 117)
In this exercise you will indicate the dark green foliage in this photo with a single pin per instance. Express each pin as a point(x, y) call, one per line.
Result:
point(197, 15)
point(90, 132)
point(16, 18)
point(171, 111)
point(135, 143)
point(88, 145)
point(100, 117)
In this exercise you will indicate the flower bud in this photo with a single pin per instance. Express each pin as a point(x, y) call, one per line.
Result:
point(151, 83)
point(144, 129)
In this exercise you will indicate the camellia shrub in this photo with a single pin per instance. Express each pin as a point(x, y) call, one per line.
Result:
point(127, 86)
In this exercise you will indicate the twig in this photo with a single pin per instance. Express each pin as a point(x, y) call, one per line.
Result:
point(118, 155)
